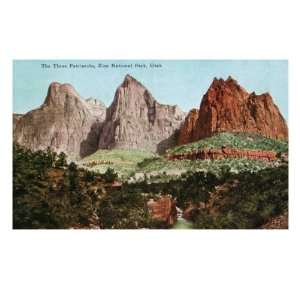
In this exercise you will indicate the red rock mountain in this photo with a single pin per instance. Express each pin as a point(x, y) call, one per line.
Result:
point(188, 129)
point(227, 106)
point(64, 122)
point(135, 120)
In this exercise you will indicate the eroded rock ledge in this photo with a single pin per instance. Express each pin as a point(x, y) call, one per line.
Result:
point(225, 153)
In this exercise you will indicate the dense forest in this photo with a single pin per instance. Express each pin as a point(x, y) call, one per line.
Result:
point(49, 192)
point(229, 201)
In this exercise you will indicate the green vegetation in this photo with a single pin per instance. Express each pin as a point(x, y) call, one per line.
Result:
point(110, 175)
point(138, 164)
point(248, 202)
point(163, 168)
point(159, 168)
point(234, 140)
point(229, 201)
point(50, 193)
point(189, 187)
point(122, 161)
point(125, 209)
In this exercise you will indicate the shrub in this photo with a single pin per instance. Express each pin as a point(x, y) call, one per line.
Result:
point(110, 175)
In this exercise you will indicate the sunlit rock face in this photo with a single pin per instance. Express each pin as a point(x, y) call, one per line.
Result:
point(227, 106)
point(64, 122)
point(188, 131)
point(135, 120)
point(163, 210)
point(16, 118)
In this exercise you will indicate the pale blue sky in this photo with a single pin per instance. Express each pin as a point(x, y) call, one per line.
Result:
point(181, 82)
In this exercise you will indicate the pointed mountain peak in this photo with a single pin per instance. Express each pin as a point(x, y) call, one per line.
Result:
point(56, 87)
point(221, 82)
point(57, 91)
point(231, 80)
point(217, 81)
point(230, 85)
point(129, 77)
point(128, 80)
point(131, 93)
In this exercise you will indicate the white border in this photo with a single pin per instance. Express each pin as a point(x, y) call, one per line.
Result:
point(148, 264)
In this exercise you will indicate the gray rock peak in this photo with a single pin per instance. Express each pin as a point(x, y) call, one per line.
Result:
point(64, 122)
point(67, 122)
point(131, 99)
point(58, 93)
point(136, 120)
point(128, 79)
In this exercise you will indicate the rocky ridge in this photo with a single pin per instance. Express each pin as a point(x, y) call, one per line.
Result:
point(64, 122)
point(136, 120)
point(225, 153)
point(163, 209)
point(16, 118)
point(227, 106)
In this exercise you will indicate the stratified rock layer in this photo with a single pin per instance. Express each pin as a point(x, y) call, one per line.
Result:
point(227, 106)
point(225, 153)
point(135, 120)
point(163, 210)
point(64, 122)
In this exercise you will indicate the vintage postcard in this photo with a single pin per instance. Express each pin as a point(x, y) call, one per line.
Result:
point(150, 144)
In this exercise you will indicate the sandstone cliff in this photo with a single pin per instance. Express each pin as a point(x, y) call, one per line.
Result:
point(226, 153)
point(227, 106)
point(135, 120)
point(188, 131)
point(163, 210)
point(64, 122)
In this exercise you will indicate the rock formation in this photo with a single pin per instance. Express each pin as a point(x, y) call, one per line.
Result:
point(135, 120)
point(226, 153)
point(16, 118)
point(97, 108)
point(64, 122)
point(188, 130)
point(227, 106)
point(163, 209)
point(278, 222)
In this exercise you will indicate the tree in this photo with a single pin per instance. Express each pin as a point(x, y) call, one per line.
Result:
point(40, 202)
point(89, 176)
point(73, 176)
point(50, 157)
point(110, 175)
point(61, 160)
